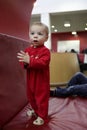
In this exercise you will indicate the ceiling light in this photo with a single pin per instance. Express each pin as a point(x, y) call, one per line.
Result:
point(74, 32)
point(52, 26)
point(55, 30)
point(67, 24)
point(85, 28)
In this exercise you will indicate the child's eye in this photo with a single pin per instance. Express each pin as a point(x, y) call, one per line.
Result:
point(32, 33)
point(40, 33)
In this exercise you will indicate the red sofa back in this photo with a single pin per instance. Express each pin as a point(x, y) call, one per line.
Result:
point(12, 78)
point(15, 17)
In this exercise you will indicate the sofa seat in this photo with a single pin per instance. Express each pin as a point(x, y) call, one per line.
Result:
point(19, 121)
point(64, 114)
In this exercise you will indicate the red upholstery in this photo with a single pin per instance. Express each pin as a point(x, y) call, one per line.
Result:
point(15, 17)
point(12, 78)
point(64, 114)
point(14, 21)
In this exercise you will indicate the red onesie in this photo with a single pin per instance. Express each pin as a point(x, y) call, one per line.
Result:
point(38, 86)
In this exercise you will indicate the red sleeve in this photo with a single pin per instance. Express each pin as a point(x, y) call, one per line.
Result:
point(41, 61)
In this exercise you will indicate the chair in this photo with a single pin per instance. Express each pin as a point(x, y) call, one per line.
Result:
point(62, 67)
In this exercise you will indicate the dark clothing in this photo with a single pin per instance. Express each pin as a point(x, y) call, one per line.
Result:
point(77, 86)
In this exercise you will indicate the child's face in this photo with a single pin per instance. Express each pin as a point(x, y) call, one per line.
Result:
point(38, 35)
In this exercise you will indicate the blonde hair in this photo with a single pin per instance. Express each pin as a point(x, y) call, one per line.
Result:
point(41, 24)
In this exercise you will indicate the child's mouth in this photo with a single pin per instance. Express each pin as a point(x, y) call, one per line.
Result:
point(35, 41)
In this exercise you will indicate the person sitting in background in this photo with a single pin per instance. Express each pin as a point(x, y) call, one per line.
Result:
point(73, 51)
point(77, 86)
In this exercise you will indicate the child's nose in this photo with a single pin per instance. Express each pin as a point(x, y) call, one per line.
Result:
point(35, 35)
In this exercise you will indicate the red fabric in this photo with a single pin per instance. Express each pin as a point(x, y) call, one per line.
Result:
point(64, 114)
point(15, 17)
point(12, 78)
point(81, 57)
point(38, 79)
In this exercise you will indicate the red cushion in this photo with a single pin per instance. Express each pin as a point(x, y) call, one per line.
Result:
point(64, 114)
point(12, 78)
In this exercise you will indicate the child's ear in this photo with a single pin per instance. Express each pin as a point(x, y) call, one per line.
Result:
point(46, 38)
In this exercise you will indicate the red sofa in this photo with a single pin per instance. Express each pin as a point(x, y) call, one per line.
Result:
point(12, 79)
point(64, 113)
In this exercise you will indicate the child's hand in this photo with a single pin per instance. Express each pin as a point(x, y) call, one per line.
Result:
point(23, 57)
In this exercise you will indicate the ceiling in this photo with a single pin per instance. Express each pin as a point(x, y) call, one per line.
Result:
point(77, 19)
